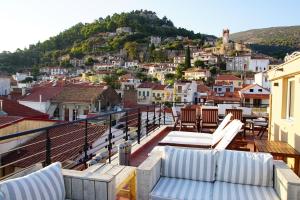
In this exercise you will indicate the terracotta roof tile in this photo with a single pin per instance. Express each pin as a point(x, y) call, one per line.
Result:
point(13, 108)
point(224, 77)
point(5, 120)
point(67, 143)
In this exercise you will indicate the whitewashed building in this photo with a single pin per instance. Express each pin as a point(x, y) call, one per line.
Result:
point(4, 86)
point(261, 78)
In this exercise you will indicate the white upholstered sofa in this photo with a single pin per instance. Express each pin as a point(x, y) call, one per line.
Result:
point(55, 183)
point(178, 173)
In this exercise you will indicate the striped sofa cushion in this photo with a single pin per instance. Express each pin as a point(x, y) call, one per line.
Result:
point(230, 191)
point(47, 184)
point(245, 168)
point(188, 164)
point(173, 188)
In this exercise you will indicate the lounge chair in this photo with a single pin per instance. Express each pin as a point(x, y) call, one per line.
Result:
point(216, 136)
point(188, 117)
point(209, 118)
point(227, 134)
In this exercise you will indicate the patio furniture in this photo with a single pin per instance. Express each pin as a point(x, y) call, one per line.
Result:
point(178, 173)
point(261, 124)
point(221, 140)
point(209, 118)
point(236, 113)
point(188, 117)
point(99, 181)
point(279, 149)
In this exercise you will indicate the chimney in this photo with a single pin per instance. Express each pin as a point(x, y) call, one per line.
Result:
point(1, 104)
point(40, 98)
point(23, 91)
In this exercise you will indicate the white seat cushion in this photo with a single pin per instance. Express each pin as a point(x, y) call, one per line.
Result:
point(173, 188)
point(230, 191)
point(245, 168)
point(189, 164)
point(47, 184)
point(187, 140)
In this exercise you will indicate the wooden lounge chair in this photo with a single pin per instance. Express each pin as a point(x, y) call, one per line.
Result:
point(236, 113)
point(209, 118)
point(229, 133)
point(188, 117)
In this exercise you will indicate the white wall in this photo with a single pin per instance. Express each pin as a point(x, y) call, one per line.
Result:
point(258, 65)
point(4, 86)
point(39, 106)
point(261, 78)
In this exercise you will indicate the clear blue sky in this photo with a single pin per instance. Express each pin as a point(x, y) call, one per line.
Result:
point(24, 22)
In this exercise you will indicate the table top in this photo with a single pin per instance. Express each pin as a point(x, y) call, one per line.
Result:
point(276, 147)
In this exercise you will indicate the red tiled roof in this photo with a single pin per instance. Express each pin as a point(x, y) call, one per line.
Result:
point(224, 77)
point(67, 143)
point(5, 120)
point(79, 94)
point(154, 86)
point(47, 93)
point(228, 96)
point(13, 108)
point(202, 88)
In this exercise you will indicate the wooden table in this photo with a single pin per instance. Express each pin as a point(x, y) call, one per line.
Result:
point(280, 149)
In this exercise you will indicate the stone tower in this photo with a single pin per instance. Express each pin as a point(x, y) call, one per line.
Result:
point(225, 36)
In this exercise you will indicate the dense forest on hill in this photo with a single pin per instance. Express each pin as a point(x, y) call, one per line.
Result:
point(274, 41)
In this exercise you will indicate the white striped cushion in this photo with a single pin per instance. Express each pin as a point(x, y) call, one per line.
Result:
point(245, 168)
point(173, 188)
point(188, 164)
point(230, 191)
point(47, 184)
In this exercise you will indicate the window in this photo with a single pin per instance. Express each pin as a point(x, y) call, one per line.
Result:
point(140, 93)
point(251, 90)
point(239, 83)
point(291, 98)
point(144, 94)
point(179, 88)
point(148, 94)
point(153, 94)
point(260, 90)
point(158, 94)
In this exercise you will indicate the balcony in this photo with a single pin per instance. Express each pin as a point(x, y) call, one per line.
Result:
point(89, 148)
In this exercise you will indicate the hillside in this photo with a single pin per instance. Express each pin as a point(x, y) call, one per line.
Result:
point(274, 41)
point(91, 39)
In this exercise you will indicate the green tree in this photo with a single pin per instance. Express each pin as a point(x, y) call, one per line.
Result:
point(89, 61)
point(35, 72)
point(131, 49)
point(213, 71)
point(112, 80)
point(187, 61)
point(199, 63)
point(121, 72)
point(179, 71)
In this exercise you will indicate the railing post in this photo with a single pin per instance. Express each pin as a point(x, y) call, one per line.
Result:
point(164, 114)
point(147, 121)
point(139, 126)
point(48, 148)
point(109, 140)
point(159, 115)
point(85, 148)
point(126, 126)
point(154, 117)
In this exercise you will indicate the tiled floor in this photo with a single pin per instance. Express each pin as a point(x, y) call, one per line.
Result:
point(139, 156)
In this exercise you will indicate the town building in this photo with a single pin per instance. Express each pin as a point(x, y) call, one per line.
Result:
point(121, 30)
point(185, 91)
point(54, 71)
point(148, 92)
point(261, 78)
point(196, 74)
point(229, 79)
point(155, 40)
point(5, 86)
point(255, 95)
point(77, 101)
